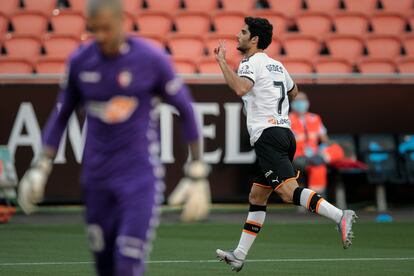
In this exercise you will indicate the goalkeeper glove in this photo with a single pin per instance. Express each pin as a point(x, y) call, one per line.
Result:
point(193, 191)
point(32, 185)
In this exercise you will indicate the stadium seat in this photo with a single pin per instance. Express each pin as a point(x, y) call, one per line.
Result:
point(185, 65)
point(376, 65)
point(169, 6)
point(289, 8)
point(4, 23)
point(129, 22)
point(408, 43)
point(329, 6)
point(9, 7)
point(209, 65)
point(192, 23)
point(351, 23)
point(365, 6)
point(388, 23)
point(333, 66)
point(400, 6)
point(59, 46)
point(277, 19)
point(383, 46)
point(44, 6)
point(23, 47)
point(406, 65)
point(154, 23)
point(50, 66)
point(131, 6)
point(314, 23)
point(68, 23)
point(15, 66)
point(297, 65)
point(349, 47)
point(274, 49)
point(29, 23)
point(77, 5)
point(200, 6)
point(212, 41)
point(245, 6)
point(157, 40)
point(228, 23)
point(186, 46)
point(301, 46)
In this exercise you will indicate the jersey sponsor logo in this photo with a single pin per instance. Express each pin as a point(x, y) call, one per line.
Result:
point(124, 78)
point(90, 77)
point(115, 111)
point(245, 70)
point(274, 68)
point(275, 121)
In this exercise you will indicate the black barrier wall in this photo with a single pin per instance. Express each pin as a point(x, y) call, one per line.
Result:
point(352, 109)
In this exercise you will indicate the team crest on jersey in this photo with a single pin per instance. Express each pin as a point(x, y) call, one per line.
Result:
point(124, 78)
point(245, 70)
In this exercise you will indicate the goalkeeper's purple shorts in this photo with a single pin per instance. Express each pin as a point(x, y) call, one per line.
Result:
point(121, 224)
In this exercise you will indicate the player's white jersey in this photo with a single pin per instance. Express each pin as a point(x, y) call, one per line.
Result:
point(266, 104)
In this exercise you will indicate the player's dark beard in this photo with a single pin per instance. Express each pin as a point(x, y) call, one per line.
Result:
point(241, 49)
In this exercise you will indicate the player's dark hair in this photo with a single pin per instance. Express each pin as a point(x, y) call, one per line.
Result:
point(94, 6)
point(261, 28)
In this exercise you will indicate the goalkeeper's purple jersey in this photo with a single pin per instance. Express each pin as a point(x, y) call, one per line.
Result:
point(119, 95)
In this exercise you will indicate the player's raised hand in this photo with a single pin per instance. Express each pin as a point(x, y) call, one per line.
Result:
point(32, 185)
point(220, 51)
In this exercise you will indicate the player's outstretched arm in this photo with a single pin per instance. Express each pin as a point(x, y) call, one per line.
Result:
point(240, 85)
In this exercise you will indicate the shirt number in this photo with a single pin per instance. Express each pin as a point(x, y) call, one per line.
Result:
point(279, 85)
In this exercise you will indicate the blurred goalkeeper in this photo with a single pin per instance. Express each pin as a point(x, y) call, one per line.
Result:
point(119, 81)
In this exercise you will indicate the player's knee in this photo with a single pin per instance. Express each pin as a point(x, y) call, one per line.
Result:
point(286, 190)
point(257, 199)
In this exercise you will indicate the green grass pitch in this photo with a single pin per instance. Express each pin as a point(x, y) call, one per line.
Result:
point(188, 249)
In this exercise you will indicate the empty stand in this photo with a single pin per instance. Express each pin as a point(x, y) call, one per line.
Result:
point(408, 43)
point(50, 66)
point(333, 66)
point(274, 49)
point(209, 65)
point(68, 23)
point(364, 6)
point(228, 23)
point(129, 23)
point(277, 19)
point(212, 41)
point(245, 6)
point(388, 23)
point(314, 23)
point(345, 46)
point(23, 47)
point(15, 66)
point(169, 6)
point(185, 65)
point(289, 8)
point(297, 65)
point(376, 65)
point(29, 23)
point(301, 46)
point(186, 46)
point(4, 22)
point(192, 23)
point(406, 65)
point(44, 6)
point(201, 6)
point(60, 46)
point(156, 40)
point(8, 7)
point(77, 5)
point(352, 23)
point(330, 6)
point(383, 46)
point(131, 6)
point(154, 23)
point(399, 6)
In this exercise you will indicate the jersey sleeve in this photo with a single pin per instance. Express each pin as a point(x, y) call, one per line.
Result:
point(68, 99)
point(175, 92)
point(247, 69)
point(290, 84)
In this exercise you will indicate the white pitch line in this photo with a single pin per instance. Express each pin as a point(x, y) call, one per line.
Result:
point(214, 261)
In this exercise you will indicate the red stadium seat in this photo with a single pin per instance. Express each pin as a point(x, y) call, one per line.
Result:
point(50, 66)
point(301, 46)
point(131, 6)
point(333, 66)
point(212, 41)
point(68, 23)
point(383, 46)
point(388, 23)
point(192, 23)
point(406, 65)
point(365, 6)
point(77, 5)
point(200, 6)
point(154, 23)
point(351, 23)
point(185, 65)
point(330, 6)
point(9, 7)
point(169, 6)
point(186, 46)
point(345, 46)
point(209, 65)
point(314, 23)
point(277, 19)
point(245, 6)
point(29, 23)
point(44, 6)
point(156, 40)
point(15, 66)
point(374, 65)
point(289, 8)
point(4, 23)
point(408, 43)
point(273, 50)
point(23, 47)
point(297, 65)
point(228, 23)
point(128, 22)
point(60, 46)
point(399, 6)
